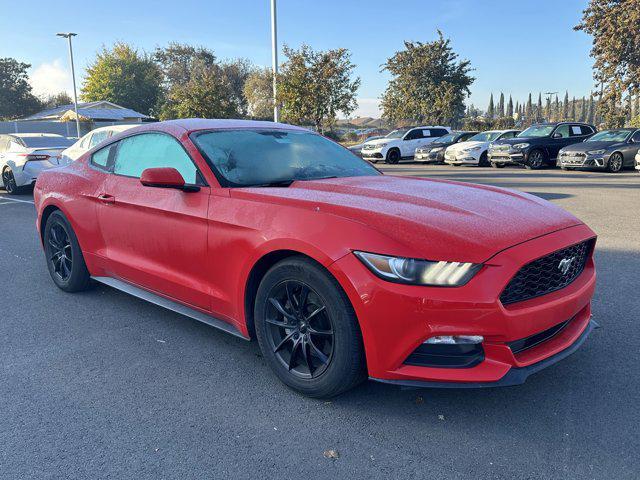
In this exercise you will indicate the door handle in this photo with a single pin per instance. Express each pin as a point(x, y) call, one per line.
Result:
point(106, 198)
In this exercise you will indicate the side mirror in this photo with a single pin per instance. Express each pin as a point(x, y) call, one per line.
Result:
point(557, 135)
point(165, 177)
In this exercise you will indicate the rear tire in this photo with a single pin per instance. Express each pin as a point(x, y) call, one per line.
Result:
point(393, 156)
point(311, 340)
point(484, 160)
point(9, 181)
point(64, 258)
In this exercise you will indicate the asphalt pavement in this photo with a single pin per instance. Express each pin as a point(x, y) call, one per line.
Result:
point(103, 385)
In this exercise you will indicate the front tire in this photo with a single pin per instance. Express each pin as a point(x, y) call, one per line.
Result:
point(307, 329)
point(536, 160)
point(64, 258)
point(393, 156)
point(484, 160)
point(615, 163)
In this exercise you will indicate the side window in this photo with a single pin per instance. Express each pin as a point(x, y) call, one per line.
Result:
point(103, 158)
point(149, 150)
point(438, 132)
point(586, 130)
point(466, 137)
point(426, 133)
point(578, 131)
point(562, 130)
point(97, 138)
point(414, 134)
point(508, 135)
point(84, 144)
point(636, 137)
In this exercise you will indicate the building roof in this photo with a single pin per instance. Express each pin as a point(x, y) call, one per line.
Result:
point(101, 110)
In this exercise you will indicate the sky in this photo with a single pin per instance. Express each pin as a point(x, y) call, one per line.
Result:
point(515, 47)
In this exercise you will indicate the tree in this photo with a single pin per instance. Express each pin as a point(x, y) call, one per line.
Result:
point(539, 113)
point(258, 90)
point(510, 107)
point(529, 108)
point(583, 110)
point(501, 105)
point(556, 110)
point(123, 76)
point(313, 86)
point(615, 28)
point(16, 99)
point(195, 84)
point(60, 98)
point(590, 110)
point(491, 109)
point(565, 106)
point(428, 84)
point(572, 114)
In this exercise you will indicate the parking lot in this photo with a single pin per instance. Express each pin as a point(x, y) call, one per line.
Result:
point(103, 385)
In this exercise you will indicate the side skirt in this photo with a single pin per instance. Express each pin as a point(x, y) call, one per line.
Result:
point(169, 305)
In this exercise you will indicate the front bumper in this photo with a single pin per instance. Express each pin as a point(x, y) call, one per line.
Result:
point(462, 158)
point(396, 319)
point(507, 158)
point(429, 157)
point(582, 161)
point(372, 154)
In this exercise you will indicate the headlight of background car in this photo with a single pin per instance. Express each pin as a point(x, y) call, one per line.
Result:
point(472, 149)
point(380, 145)
point(520, 146)
point(596, 152)
point(419, 272)
point(436, 149)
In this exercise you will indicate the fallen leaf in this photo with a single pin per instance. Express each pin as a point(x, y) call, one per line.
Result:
point(440, 417)
point(333, 454)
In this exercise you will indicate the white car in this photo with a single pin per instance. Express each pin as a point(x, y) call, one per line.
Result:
point(637, 158)
point(474, 150)
point(401, 143)
point(24, 155)
point(91, 139)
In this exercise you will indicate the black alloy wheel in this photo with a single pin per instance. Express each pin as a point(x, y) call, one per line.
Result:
point(536, 160)
point(300, 331)
point(393, 156)
point(60, 253)
point(615, 163)
point(64, 258)
point(307, 329)
point(9, 181)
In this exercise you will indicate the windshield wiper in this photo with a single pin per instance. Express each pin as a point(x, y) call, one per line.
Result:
point(277, 183)
point(315, 178)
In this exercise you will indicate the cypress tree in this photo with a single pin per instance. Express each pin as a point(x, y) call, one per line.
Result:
point(491, 111)
point(510, 107)
point(501, 106)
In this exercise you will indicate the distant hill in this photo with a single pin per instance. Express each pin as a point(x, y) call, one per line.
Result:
point(362, 122)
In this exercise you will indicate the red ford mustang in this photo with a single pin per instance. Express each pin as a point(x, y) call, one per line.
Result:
point(271, 231)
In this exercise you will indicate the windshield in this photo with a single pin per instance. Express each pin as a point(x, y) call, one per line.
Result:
point(397, 133)
point(44, 142)
point(263, 157)
point(485, 137)
point(449, 138)
point(537, 131)
point(610, 136)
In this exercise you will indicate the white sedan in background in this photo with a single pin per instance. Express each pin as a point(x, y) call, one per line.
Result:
point(91, 139)
point(24, 155)
point(474, 151)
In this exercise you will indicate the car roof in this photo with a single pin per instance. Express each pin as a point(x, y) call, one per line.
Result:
point(191, 124)
point(115, 128)
point(33, 135)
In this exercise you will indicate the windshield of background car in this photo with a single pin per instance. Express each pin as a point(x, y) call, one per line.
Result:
point(260, 157)
point(397, 133)
point(610, 136)
point(45, 142)
point(536, 131)
point(449, 138)
point(484, 137)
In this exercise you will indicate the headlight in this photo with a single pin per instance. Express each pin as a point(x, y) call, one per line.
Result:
point(520, 146)
point(381, 145)
point(419, 272)
point(596, 152)
point(436, 149)
point(472, 149)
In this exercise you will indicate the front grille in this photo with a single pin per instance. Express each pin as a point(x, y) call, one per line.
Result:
point(547, 274)
point(573, 155)
point(531, 341)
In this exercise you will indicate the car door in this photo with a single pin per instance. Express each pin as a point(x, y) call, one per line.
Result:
point(154, 237)
point(409, 143)
point(561, 137)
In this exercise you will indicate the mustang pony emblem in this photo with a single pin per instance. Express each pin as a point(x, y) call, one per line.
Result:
point(565, 265)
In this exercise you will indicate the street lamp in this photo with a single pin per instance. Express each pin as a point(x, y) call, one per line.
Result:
point(73, 76)
point(274, 60)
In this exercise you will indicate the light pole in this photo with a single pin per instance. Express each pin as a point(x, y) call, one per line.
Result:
point(274, 59)
point(73, 76)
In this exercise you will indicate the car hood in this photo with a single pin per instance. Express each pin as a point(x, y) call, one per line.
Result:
point(434, 145)
point(434, 219)
point(380, 140)
point(588, 146)
point(458, 147)
point(516, 140)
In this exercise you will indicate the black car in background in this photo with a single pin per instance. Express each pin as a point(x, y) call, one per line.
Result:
point(434, 152)
point(538, 145)
point(610, 150)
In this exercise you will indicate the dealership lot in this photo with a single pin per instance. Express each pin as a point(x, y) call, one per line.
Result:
point(100, 384)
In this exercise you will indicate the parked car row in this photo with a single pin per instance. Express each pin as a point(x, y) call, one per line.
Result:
point(569, 145)
point(23, 156)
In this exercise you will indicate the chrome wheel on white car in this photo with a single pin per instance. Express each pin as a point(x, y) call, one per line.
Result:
point(9, 181)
